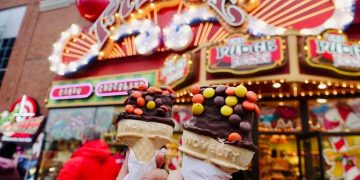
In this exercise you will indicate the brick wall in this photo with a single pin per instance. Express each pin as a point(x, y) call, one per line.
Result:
point(28, 69)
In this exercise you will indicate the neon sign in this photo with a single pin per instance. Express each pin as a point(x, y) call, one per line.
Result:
point(242, 56)
point(79, 46)
point(117, 87)
point(176, 70)
point(71, 91)
point(333, 51)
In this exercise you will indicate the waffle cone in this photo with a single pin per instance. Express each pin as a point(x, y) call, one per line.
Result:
point(144, 138)
point(226, 157)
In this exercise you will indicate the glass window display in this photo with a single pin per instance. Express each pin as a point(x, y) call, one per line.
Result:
point(277, 157)
point(180, 115)
point(279, 116)
point(335, 115)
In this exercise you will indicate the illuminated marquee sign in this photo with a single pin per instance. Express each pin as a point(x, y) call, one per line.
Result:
point(79, 46)
point(242, 56)
point(333, 51)
point(176, 70)
point(118, 87)
point(142, 27)
point(71, 91)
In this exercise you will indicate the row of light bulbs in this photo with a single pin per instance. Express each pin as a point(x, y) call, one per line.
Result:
point(183, 95)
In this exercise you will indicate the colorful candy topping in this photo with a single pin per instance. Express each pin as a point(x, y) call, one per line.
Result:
point(197, 109)
point(143, 87)
point(219, 101)
point(231, 100)
point(251, 96)
point(234, 120)
point(245, 126)
point(240, 91)
point(209, 93)
point(138, 111)
point(230, 91)
point(234, 104)
point(195, 89)
point(198, 98)
point(140, 101)
point(129, 108)
point(248, 105)
point(136, 94)
point(226, 110)
point(150, 101)
point(151, 105)
point(233, 137)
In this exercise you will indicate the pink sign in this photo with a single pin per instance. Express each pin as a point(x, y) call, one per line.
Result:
point(117, 87)
point(71, 91)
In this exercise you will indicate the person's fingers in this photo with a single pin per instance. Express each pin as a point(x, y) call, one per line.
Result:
point(160, 159)
point(156, 174)
point(175, 175)
point(124, 168)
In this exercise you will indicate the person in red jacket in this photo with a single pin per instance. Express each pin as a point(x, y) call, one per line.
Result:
point(91, 161)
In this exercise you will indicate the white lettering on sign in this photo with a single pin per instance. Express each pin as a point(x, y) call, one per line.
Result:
point(343, 53)
point(106, 19)
point(237, 50)
point(175, 68)
point(71, 91)
point(245, 54)
point(118, 87)
point(251, 59)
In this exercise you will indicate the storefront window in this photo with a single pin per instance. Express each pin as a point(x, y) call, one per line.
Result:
point(64, 129)
point(278, 157)
point(328, 156)
point(334, 115)
point(180, 115)
point(279, 116)
point(10, 23)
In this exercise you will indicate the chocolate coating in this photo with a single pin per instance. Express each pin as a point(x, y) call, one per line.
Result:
point(161, 113)
point(213, 124)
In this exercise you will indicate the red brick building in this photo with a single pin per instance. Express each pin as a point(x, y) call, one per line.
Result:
point(28, 69)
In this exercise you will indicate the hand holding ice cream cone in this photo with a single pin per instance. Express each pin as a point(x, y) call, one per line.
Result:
point(145, 126)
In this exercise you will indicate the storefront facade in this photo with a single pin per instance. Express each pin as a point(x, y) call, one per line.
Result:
point(295, 55)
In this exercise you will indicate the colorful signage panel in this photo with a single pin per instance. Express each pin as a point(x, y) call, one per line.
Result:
point(104, 95)
point(23, 131)
point(240, 55)
point(176, 70)
point(131, 27)
point(71, 91)
point(333, 51)
point(118, 87)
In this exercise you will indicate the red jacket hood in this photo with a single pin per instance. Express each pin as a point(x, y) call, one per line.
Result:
point(97, 149)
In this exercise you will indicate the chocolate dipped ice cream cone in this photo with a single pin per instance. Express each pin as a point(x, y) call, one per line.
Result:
point(146, 124)
point(219, 132)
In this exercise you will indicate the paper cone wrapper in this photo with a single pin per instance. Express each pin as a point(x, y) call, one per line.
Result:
point(227, 157)
point(144, 138)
